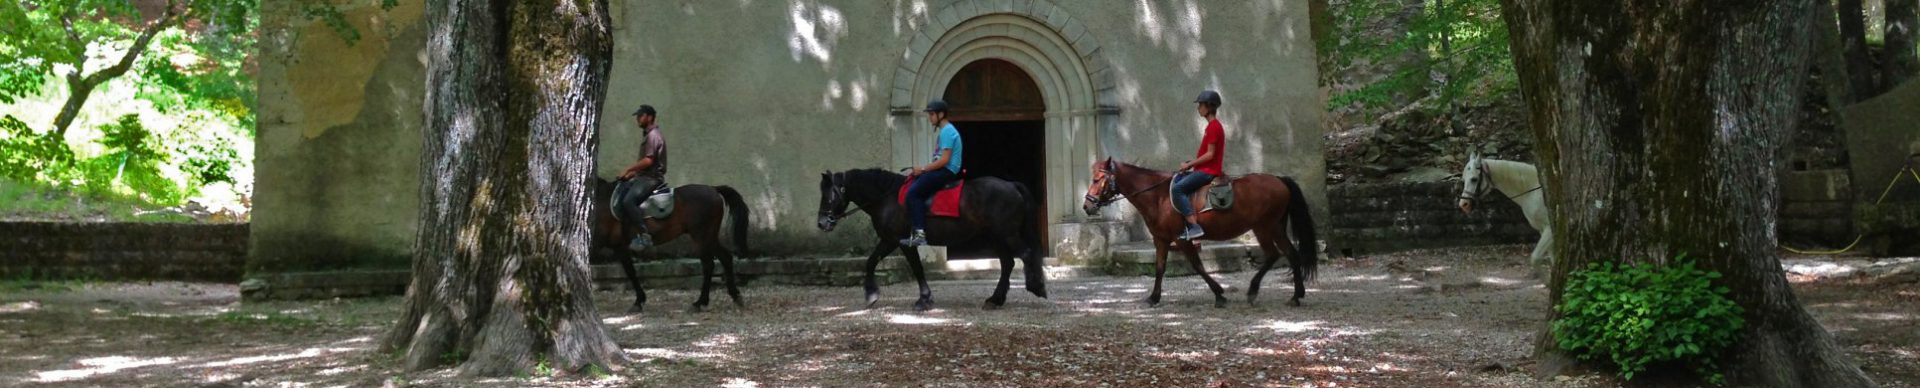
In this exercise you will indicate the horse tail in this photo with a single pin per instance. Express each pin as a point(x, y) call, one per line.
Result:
point(737, 208)
point(1303, 231)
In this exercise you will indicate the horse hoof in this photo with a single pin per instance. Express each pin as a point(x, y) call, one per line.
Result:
point(872, 299)
point(636, 309)
point(923, 305)
point(1220, 303)
point(1295, 302)
point(1042, 293)
point(697, 309)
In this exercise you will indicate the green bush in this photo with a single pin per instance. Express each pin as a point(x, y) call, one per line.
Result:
point(1640, 315)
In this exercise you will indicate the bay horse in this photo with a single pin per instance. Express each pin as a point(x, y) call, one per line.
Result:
point(697, 212)
point(1263, 204)
point(1519, 182)
point(1003, 212)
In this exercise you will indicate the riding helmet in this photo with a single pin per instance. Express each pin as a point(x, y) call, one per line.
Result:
point(1209, 97)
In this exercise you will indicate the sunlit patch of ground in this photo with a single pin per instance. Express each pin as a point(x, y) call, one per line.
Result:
point(1461, 317)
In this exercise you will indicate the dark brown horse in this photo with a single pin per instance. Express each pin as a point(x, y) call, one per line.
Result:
point(1262, 203)
point(998, 210)
point(697, 213)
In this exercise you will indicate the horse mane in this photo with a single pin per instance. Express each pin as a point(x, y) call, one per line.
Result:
point(873, 180)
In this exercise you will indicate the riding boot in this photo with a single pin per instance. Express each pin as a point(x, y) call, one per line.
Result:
point(918, 238)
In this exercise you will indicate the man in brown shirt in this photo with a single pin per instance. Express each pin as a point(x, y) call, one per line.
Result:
point(640, 180)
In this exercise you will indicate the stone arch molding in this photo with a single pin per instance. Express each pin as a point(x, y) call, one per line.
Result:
point(1053, 47)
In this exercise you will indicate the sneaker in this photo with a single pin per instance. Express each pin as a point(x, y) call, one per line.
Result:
point(918, 238)
point(1193, 232)
point(640, 243)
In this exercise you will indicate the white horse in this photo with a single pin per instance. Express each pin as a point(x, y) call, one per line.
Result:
point(1519, 182)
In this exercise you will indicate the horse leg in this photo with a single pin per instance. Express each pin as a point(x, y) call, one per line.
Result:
point(733, 283)
point(633, 278)
point(919, 275)
point(880, 251)
point(999, 297)
point(1036, 273)
point(1159, 271)
point(706, 281)
point(1269, 247)
point(1193, 257)
point(1540, 260)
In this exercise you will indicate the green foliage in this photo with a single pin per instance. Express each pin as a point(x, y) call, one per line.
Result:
point(327, 13)
point(1634, 316)
point(29, 156)
point(133, 161)
point(1464, 43)
point(268, 318)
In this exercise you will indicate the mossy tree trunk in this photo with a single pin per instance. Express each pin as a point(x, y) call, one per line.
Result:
point(1659, 127)
point(500, 276)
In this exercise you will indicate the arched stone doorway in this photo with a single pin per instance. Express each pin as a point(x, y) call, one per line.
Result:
point(1060, 61)
point(1000, 112)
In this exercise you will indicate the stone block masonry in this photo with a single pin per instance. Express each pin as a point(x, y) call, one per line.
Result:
point(122, 251)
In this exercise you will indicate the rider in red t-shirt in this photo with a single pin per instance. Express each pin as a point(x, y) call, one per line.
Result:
point(1204, 166)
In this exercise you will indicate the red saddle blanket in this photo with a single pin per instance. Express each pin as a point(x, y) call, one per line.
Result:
point(946, 203)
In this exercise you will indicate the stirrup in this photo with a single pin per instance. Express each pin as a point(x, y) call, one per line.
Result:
point(915, 239)
point(640, 243)
point(1192, 232)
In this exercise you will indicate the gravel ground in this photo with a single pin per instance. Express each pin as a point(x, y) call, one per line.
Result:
point(1458, 317)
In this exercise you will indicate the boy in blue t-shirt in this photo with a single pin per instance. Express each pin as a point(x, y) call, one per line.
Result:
point(944, 169)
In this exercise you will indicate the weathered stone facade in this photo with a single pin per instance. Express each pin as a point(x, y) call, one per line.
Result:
point(765, 95)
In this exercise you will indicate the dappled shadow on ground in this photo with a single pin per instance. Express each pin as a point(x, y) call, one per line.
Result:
point(1462, 317)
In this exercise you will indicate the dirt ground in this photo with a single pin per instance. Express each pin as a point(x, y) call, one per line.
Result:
point(1460, 317)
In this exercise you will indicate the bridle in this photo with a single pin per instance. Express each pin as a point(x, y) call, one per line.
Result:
point(1110, 190)
point(838, 194)
point(1485, 184)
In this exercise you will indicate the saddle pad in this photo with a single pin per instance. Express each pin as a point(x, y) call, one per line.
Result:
point(658, 206)
point(946, 203)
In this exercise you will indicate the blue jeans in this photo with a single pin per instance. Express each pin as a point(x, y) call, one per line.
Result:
point(925, 187)
point(1183, 188)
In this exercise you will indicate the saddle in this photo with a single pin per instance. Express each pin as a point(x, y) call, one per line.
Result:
point(945, 203)
point(658, 205)
point(1219, 195)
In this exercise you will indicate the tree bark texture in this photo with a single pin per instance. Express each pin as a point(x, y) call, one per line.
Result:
point(500, 276)
point(1659, 126)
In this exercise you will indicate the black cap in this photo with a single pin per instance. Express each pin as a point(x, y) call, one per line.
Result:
point(1209, 97)
point(645, 110)
point(936, 106)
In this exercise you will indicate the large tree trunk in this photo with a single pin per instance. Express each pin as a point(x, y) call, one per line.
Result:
point(1903, 27)
point(1659, 127)
point(1853, 36)
point(500, 276)
point(1830, 58)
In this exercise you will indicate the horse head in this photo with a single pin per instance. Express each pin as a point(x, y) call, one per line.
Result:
point(1475, 181)
point(833, 200)
point(1103, 189)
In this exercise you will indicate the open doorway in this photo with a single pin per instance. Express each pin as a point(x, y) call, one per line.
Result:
point(1002, 118)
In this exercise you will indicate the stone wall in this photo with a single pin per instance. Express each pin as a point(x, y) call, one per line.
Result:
point(122, 251)
point(1386, 217)
point(763, 96)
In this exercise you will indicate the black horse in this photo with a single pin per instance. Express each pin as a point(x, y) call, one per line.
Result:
point(697, 212)
point(999, 210)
